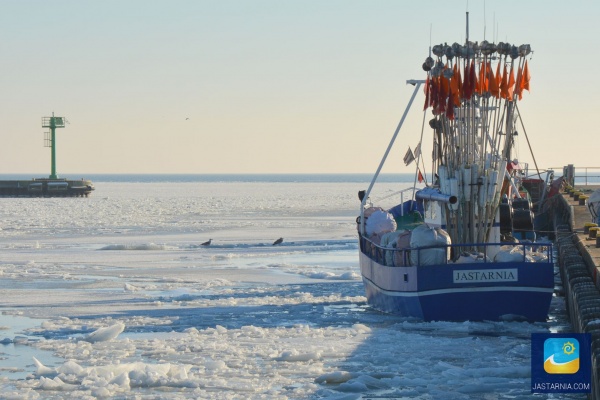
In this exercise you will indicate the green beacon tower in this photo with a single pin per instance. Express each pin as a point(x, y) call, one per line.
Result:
point(51, 186)
point(50, 138)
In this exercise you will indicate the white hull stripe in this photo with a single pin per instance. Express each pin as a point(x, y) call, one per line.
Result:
point(461, 290)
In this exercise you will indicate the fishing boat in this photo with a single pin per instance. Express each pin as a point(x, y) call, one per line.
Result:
point(464, 242)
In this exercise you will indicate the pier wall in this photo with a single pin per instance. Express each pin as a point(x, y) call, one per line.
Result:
point(44, 187)
point(579, 274)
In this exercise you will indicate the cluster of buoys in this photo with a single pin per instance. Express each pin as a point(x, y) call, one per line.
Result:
point(472, 91)
point(475, 49)
point(462, 72)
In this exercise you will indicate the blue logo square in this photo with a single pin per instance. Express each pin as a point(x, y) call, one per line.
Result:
point(561, 355)
point(561, 363)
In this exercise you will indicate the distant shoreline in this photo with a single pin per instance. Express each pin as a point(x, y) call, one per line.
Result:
point(268, 178)
point(149, 178)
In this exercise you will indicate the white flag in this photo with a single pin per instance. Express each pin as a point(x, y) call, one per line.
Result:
point(418, 150)
point(409, 157)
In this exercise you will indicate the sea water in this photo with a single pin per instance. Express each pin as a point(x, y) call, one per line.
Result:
point(114, 296)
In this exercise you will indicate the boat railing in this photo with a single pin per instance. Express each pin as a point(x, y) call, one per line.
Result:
point(393, 257)
point(403, 196)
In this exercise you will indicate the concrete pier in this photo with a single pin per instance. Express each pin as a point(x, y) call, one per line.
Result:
point(45, 187)
point(579, 261)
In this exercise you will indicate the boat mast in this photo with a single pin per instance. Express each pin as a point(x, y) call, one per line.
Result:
point(417, 84)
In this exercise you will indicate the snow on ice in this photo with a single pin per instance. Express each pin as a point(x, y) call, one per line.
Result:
point(112, 296)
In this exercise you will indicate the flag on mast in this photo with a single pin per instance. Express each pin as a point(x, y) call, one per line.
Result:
point(418, 150)
point(493, 82)
point(504, 84)
point(420, 176)
point(511, 84)
point(526, 77)
point(409, 157)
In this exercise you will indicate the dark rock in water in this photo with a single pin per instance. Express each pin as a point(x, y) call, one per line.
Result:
point(278, 241)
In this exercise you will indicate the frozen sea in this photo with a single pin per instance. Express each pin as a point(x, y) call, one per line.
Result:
point(112, 296)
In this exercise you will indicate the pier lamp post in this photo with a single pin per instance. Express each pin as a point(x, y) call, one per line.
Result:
point(50, 138)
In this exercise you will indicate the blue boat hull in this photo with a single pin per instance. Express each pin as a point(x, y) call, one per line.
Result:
point(460, 292)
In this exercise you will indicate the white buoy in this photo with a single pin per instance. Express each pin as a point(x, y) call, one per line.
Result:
point(466, 182)
point(453, 182)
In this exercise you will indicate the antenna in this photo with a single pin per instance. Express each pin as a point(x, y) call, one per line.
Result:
point(484, 20)
point(467, 41)
point(497, 26)
point(50, 138)
point(467, 11)
point(430, 30)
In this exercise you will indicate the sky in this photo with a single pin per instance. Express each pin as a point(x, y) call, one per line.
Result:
point(269, 86)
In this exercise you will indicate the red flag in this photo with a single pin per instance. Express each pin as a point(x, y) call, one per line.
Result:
point(473, 77)
point(455, 85)
point(457, 76)
point(483, 78)
point(504, 84)
point(443, 99)
point(511, 83)
point(427, 88)
point(467, 92)
point(493, 83)
point(519, 84)
point(523, 78)
point(433, 97)
point(420, 176)
point(526, 77)
point(450, 105)
point(498, 75)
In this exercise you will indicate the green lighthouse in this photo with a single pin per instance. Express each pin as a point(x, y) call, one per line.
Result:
point(50, 138)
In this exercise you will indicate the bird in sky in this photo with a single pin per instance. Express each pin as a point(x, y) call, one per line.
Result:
point(207, 243)
point(278, 241)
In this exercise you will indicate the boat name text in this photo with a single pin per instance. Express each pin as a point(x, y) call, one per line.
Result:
point(486, 275)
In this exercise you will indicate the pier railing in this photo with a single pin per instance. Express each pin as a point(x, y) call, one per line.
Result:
point(393, 257)
point(581, 176)
point(587, 176)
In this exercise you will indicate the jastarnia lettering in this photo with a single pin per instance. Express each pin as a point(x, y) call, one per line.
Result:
point(486, 275)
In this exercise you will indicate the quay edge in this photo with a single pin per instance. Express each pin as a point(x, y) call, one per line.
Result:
point(579, 263)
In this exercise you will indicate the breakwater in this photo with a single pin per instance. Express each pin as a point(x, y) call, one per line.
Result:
point(45, 187)
point(578, 259)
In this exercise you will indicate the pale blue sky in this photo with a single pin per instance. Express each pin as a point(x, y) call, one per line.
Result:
point(269, 86)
